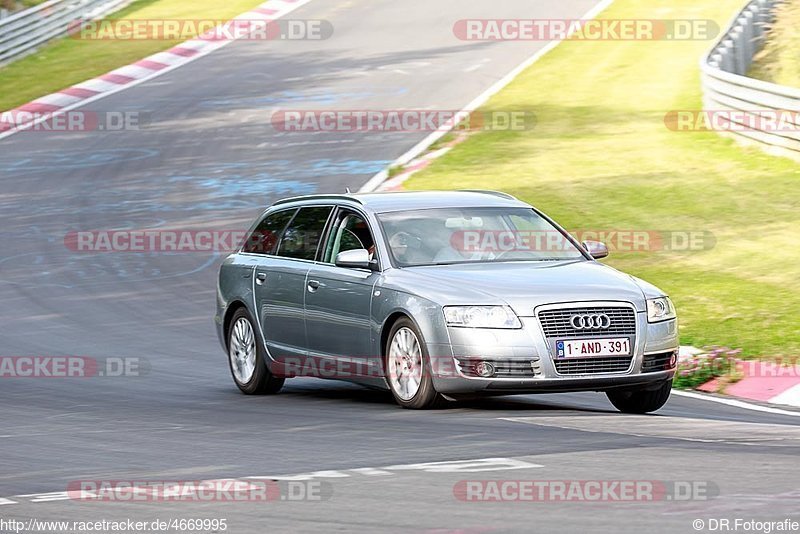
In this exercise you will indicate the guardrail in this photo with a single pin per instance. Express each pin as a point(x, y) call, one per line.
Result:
point(23, 32)
point(726, 87)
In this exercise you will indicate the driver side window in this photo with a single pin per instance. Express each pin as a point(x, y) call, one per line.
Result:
point(349, 232)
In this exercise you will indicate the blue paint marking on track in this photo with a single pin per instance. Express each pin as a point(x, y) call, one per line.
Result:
point(72, 270)
point(73, 160)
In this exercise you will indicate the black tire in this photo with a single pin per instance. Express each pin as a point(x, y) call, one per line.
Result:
point(262, 381)
point(426, 396)
point(640, 400)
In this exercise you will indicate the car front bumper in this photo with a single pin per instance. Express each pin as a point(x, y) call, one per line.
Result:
point(525, 361)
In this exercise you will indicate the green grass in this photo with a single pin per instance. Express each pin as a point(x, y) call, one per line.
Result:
point(779, 60)
point(17, 5)
point(601, 157)
point(69, 61)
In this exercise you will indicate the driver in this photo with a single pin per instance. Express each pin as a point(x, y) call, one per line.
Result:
point(402, 244)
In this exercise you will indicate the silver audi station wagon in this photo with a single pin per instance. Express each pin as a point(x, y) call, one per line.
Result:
point(439, 295)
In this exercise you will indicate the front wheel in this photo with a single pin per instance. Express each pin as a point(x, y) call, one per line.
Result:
point(408, 369)
point(640, 400)
point(246, 358)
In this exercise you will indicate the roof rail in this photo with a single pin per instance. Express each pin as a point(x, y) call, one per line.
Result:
point(490, 192)
point(318, 197)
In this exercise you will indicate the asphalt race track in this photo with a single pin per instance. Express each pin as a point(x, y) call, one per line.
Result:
point(210, 159)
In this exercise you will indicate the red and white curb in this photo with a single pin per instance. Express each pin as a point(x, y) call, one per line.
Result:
point(764, 382)
point(44, 108)
point(761, 381)
point(395, 183)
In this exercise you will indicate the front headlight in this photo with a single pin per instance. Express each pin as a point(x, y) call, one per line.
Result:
point(660, 309)
point(481, 317)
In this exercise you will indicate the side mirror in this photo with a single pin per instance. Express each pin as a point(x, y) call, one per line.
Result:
point(354, 259)
point(596, 249)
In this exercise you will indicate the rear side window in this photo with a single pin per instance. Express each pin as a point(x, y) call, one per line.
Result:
point(301, 238)
point(265, 237)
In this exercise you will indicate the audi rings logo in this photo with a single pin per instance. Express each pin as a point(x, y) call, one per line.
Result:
point(590, 321)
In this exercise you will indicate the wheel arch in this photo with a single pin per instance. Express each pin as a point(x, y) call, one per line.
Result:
point(424, 314)
point(388, 324)
point(233, 307)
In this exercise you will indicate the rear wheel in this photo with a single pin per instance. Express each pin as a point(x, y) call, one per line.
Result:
point(408, 367)
point(246, 358)
point(640, 400)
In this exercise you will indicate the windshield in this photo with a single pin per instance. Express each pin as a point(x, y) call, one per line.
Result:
point(473, 235)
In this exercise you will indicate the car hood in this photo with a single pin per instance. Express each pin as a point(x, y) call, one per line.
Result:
point(523, 285)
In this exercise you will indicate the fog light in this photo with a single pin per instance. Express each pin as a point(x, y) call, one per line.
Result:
point(673, 360)
point(484, 369)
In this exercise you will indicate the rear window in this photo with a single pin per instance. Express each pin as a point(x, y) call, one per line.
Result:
point(265, 237)
point(301, 238)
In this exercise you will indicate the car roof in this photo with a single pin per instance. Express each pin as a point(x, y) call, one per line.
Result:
point(415, 200)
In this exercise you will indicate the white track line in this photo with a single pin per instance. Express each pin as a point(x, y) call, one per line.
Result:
point(735, 403)
point(423, 145)
point(790, 397)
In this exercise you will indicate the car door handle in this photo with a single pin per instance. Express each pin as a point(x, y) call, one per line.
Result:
point(313, 285)
point(261, 278)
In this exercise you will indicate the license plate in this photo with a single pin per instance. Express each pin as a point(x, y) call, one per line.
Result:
point(590, 348)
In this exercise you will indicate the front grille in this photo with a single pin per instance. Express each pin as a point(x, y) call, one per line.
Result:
point(657, 362)
point(556, 323)
point(593, 366)
point(503, 368)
